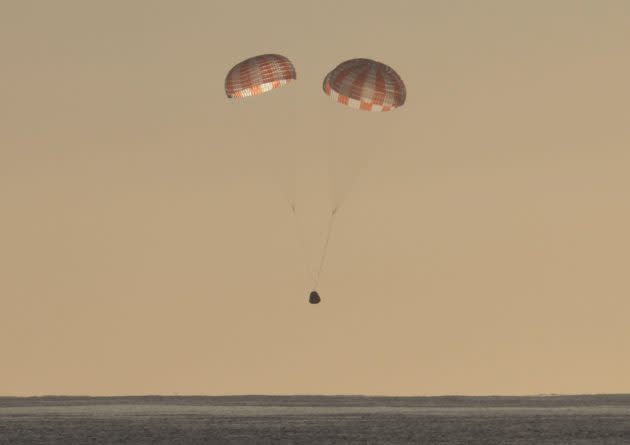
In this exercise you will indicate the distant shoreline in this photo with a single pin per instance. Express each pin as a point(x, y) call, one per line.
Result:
point(546, 400)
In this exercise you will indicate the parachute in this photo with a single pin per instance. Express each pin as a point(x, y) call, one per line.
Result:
point(258, 75)
point(366, 85)
point(363, 84)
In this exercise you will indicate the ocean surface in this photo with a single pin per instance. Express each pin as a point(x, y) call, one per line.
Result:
point(541, 420)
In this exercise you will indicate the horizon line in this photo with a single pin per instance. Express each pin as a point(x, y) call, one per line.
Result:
point(312, 395)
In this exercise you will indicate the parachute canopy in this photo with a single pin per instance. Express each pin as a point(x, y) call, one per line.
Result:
point(366, 85)
point(257, 75)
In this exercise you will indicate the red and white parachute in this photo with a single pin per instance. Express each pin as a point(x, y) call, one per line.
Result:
point(257, 75)
point(365, 84)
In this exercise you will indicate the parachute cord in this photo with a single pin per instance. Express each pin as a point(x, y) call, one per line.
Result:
point(332, 168)
point(323, 258)
point(298, 229)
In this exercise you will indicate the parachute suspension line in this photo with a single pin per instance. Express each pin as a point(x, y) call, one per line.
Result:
point(335, 188)
point(292, 121)
point(323, 258)
point(339, 189)
point(332, 168)
point(300, 235)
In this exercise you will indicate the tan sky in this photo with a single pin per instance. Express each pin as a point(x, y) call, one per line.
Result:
point(145, 246)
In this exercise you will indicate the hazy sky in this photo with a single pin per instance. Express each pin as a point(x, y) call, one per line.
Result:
point(146, 246)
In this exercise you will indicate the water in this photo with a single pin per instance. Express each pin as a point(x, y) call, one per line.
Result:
point(316, 419)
